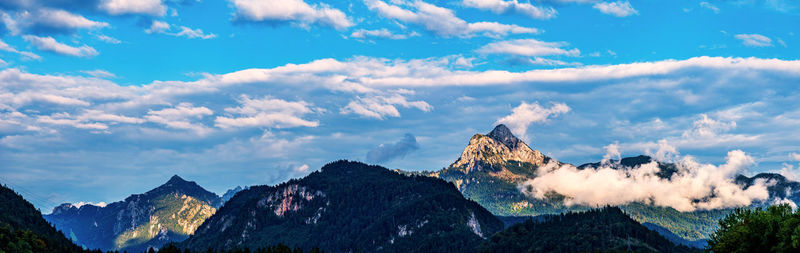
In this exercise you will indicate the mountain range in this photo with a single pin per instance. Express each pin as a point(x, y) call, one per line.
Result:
point(170, 212)
point(492, 167)
point(348, 206)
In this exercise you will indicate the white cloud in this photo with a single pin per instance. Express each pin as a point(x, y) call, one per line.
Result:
point(754, 40)
point(8, 48)
point(618, 8)
point(706, 127)
point(194, 33)
point(502, 6)
point(528, 47)
point(108, 39)
point(382, 33)
point(146, 7)
point(612, 152)
point(89, 119)
point(165, 28)
point(442, 21)
point(47, 20)
point(525, 114)
point(709, 6)
point(379, 106)
point(302, 168)
point(80, 204)
point(789, 171)
point(267, 112)
point(693, 187)
point(180, 117)
point(63, 19)
point(99, 73)
point(50, 44)
point(296, 11)
point(158, 27)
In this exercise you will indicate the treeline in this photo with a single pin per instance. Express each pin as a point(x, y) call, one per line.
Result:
point(775, 229)
point(604, 229)
point(280, 248)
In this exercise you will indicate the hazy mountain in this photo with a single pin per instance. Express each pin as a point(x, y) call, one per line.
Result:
point(599, 230)
point(229, 194)
point(492, 166)
point(170, 212)
point(348, 207)
point(22, 228)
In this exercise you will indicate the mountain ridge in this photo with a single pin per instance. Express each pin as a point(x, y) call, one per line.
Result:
point(349, 206)
point(170, 212)
point(489, 171)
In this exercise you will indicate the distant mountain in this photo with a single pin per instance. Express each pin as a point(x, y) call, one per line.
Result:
point(22, 228)
point(229, 194)
point(349, 207)
point(599, 230)
point(168, 213)
point(492, 166)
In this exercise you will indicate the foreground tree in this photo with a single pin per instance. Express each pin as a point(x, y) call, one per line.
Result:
point(776, 229)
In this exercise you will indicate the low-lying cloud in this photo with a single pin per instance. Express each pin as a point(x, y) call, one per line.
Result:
point(694, 186)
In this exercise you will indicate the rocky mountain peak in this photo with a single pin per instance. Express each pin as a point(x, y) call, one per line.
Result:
point(494, 150)
point(502, 134)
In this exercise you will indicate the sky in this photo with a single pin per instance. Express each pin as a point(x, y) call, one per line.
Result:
point(100, 99)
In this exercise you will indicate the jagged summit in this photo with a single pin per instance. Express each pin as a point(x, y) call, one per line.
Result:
point(504, 135)
point(495, 150)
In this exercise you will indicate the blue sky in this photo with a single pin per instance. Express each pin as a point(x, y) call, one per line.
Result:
point(100, 99)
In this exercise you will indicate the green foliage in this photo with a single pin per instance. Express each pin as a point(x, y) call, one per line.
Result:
point(360, 207)
point(605, 229)
point(22, 228)
point(776, 229)
point(280, 248)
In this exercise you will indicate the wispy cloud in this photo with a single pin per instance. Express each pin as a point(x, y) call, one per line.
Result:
point(754, 40)
point(51, 45)
point(618, 8)
point(442, 21)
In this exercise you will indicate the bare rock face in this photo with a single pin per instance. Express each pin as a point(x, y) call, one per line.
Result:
point(492, 151)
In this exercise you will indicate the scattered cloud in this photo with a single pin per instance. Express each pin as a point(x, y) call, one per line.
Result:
point(618, 8)
point(709, 6)
point(442, 21)
point(143, 7)
point(267, 112)
point(754, 40)
point(8, 48)
point(390, 151)
point(382, 33)
point(528, 47)
point(99, 73)
point(525, 114)
point(108, 39)
point(293, 11)
point(51, 45)
point(47, 21)
point(181, 117)
point(162, 27)
point(379, 106)
point(502, 6)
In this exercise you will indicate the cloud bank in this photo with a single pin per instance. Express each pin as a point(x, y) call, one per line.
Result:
point(694, 186)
